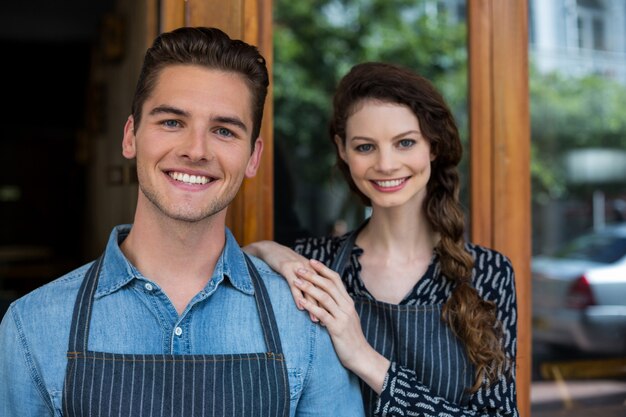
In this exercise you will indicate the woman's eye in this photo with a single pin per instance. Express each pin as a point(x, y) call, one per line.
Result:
point(365, 147)
point(406, 143)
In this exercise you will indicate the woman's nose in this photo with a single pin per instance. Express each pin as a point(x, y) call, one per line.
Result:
point(386, 161)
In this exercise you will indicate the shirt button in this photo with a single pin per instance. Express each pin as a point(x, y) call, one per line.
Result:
point(148, 287)
point(178, 331)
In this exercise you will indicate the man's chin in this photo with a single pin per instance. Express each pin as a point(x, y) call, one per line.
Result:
point(188, 213)
point(193, 217)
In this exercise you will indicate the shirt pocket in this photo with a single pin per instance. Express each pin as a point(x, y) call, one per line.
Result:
point(56, 396)
point(295, 376)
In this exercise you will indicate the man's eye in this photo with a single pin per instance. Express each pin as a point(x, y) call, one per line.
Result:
point(171, 123)
point(222, 131)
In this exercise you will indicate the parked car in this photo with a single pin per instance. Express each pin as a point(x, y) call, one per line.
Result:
point(579, 294)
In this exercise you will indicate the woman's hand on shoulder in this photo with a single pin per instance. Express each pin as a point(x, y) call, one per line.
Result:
point(285, 261)
point(336, 311)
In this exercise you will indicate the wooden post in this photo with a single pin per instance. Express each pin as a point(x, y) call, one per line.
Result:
point(500, 152)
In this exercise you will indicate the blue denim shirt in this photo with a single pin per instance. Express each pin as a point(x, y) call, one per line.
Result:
point(132, 315)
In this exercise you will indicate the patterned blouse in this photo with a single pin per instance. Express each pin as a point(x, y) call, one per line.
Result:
point(403, 392)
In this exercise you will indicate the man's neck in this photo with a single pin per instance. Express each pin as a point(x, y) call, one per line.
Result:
point(179, 256)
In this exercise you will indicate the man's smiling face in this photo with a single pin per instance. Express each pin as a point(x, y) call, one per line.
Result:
point(193, 145)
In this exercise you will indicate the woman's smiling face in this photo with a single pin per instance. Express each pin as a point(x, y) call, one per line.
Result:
point(389, 159)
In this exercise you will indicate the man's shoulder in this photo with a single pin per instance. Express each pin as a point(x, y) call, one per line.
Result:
point(265, 271)
point(57, 294)
point(275, 284)
point(42, 317)
point(280, 295)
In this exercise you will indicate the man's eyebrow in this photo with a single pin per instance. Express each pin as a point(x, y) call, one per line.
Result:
point(234, 121)
point(168, 109)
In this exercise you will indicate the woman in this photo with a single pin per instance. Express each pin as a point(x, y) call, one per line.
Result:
point(425, 319)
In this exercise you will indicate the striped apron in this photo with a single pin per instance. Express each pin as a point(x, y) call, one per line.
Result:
point(413, 336)
point(115, 384)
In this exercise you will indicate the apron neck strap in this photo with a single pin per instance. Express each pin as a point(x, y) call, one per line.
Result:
point(345, 250)
point(266, 312)
point(79, 331)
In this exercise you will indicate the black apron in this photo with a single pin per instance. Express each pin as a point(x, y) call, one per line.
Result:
point(413, 336)
point(114, 384)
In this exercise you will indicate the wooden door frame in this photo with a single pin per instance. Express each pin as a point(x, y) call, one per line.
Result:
point(499, 114)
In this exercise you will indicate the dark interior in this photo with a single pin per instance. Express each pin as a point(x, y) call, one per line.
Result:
point(47, 49)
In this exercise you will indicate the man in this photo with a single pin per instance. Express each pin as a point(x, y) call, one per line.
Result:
point(173, 319)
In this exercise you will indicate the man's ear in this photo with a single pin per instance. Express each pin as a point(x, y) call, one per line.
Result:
point(255, 158)
point(128, 142)
point(341, 148)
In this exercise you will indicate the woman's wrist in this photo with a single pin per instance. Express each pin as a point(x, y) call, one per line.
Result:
point(371, 367)
point(256, 248)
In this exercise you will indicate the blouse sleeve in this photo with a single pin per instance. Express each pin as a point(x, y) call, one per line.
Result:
point(322, 248)
point(404, 395)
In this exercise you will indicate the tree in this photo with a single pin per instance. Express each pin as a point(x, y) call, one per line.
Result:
point(571, 113)
point(317, 41)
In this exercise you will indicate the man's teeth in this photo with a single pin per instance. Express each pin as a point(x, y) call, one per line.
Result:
point(189, 179)
point(389, 183)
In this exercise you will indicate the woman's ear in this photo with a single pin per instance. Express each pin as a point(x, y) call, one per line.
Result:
point(341, 147)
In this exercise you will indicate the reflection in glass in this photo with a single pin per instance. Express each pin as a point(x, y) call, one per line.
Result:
point(578, 96)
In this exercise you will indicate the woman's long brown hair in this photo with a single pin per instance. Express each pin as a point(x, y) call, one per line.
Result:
point(472, 319)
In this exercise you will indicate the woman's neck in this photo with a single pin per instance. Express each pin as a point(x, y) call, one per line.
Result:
point(404, 233)
point(397, 250)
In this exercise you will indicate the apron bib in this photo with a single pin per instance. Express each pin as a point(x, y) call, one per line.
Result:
point(413, 336)
point(115, 384)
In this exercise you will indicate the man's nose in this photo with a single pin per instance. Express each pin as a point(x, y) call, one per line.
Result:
point(195, 146)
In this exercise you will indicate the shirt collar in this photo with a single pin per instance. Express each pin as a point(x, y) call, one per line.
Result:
point(232, 265)
point(117, 271)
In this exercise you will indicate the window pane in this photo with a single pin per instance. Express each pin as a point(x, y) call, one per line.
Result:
point(578, 96)
point(598, 34)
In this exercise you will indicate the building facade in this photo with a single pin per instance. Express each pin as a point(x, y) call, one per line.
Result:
point(579, 37)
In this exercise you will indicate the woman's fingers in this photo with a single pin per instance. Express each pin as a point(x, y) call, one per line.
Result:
point(334, 310)
point(325, 271)
point(320, 313)
point(326, 279)
point(290, 277)
point(284, 261)
point(326, 294)
point(297, 294)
